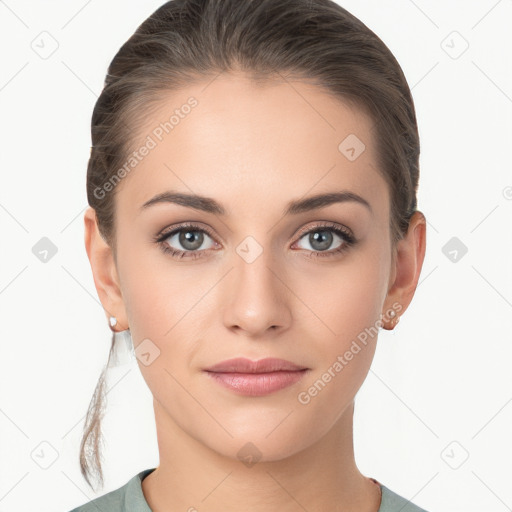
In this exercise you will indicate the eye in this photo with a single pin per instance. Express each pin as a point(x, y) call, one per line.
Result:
point(188, 240)
point(185, 241)
point(322, 237)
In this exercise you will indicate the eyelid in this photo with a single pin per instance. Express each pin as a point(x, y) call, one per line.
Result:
point(192, 225)
point(326, 224)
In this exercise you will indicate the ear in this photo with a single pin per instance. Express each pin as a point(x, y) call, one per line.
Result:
point(104, 271)
point(407, 263)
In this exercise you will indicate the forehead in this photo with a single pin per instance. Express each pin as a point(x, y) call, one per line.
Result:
point(242, 142)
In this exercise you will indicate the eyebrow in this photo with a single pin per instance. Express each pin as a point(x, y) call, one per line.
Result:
point(209, 205)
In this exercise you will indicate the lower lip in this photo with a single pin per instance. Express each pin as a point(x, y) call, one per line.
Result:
point(257, 384)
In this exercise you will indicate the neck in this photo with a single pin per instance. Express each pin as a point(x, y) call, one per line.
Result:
point(323, 476)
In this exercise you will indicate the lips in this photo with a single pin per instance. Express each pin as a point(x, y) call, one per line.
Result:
point(256, 378)
point(243, 365)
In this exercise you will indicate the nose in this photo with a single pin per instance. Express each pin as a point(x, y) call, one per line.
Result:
point(258, 298)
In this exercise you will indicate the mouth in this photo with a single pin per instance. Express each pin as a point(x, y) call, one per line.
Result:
point(256, 378)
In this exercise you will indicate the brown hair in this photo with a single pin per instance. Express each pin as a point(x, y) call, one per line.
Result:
point(186, 41)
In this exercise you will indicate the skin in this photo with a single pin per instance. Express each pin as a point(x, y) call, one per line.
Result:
point(254, 148)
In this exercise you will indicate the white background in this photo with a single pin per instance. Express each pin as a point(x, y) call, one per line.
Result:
point(440, 386)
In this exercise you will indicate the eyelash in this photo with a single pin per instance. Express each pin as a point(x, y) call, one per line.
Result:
point(348, 239)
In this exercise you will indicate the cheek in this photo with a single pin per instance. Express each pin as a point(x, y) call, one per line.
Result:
point(154, 291)
point(344, 300)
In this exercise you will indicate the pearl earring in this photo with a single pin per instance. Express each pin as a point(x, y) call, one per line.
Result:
point(394, 319)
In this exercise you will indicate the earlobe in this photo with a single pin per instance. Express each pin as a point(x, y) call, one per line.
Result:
point(410, 253)
point(104, 270)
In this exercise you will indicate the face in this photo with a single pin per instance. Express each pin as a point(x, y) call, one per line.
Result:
point(249, 278)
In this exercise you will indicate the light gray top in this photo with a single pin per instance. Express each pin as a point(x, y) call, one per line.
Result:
point(130, 498)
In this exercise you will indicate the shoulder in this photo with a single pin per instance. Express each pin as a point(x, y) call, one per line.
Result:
point(127, 498)
point(392, 502)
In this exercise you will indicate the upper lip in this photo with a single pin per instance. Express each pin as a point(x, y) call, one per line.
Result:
point(243, 365)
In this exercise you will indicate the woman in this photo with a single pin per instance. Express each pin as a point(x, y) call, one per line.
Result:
point(252, 225)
